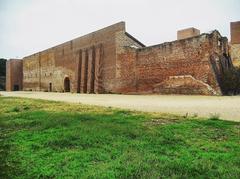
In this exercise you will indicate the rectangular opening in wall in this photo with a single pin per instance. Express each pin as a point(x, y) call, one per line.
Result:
point(15, 87)
point(50, 87)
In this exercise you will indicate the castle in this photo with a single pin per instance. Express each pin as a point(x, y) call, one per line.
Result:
point(110, 60)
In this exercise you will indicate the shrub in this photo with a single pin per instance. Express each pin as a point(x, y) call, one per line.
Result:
point(15, 109)
point(26, 107)
point(214, 116)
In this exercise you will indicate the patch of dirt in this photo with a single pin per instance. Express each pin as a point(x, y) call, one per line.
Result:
point(161, 121)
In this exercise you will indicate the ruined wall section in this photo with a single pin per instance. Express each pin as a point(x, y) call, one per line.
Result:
point(219, 56)
point(235, 54)
point(188, 66)
point(179, 59)
point(14, 75)
point(126, 62)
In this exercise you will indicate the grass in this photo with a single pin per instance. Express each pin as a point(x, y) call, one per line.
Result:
point(42, 139)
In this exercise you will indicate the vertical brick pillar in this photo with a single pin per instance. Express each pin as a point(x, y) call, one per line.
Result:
point(91, 69)
point(98, 60)
point(84, 66)
point(8, 76)
point(78, 73)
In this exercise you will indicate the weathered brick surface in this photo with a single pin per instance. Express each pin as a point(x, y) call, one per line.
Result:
point(151, 66)
point(91, 69)
point(14, 74)
point(55, 64)
point(187, 33)
point(235, 43)
point(126, 47)
point(84, 68)
point(112, 61)
point(235, 54)
point(182, 85)
point(78, 70)
point(235, 32)
point(98, 87)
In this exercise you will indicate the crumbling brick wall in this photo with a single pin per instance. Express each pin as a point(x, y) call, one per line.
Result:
point(235, 54)
point(149, 68)
point(126, 46)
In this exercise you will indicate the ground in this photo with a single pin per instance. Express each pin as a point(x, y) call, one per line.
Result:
point(46, 139)
point(225, 107)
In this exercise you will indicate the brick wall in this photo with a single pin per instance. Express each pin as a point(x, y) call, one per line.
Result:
point(14, 74)
point(235, 42)
point(83, 61)
point(126, 62)
point(112, 61)
point(187, 33)
point(235, 54)
point(235, 32)
point(189, 60)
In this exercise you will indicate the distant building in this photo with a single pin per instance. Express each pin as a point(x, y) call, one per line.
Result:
point(110, 60)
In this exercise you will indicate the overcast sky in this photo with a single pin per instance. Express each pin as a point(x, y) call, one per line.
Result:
point(29, 26)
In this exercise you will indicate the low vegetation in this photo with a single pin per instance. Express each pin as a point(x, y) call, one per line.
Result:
point(42, 139)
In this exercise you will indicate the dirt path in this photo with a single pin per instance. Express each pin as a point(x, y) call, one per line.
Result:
point(227, 107)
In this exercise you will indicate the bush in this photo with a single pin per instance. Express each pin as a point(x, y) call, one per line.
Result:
point(214, 116)
point(231, 81)
point(15, 109)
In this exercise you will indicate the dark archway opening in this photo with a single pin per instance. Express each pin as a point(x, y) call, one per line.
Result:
point(66, 84)
point(16, 88)
point(50, 87)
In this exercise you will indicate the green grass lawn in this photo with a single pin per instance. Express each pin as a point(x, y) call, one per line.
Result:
point(43, 139)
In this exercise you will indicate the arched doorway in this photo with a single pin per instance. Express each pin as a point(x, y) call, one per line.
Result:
point(67, 84)
point(50, 87)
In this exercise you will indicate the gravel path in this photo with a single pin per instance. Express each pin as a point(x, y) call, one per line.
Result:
point(227, 107)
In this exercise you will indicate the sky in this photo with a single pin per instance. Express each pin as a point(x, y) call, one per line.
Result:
point(29, 26)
